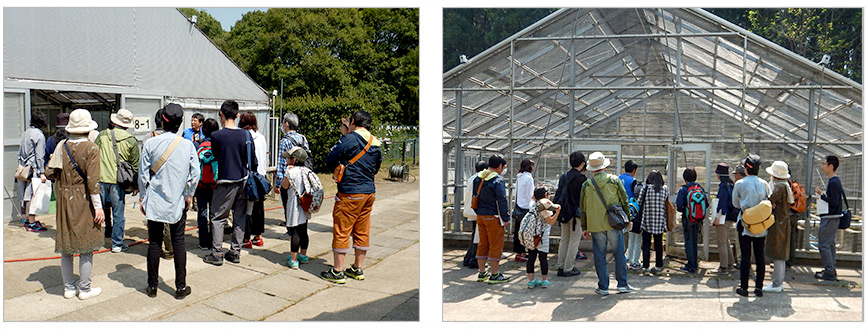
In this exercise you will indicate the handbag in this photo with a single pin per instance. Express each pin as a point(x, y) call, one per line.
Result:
point(758, 218)
point(256, 186)
point(126, 176)
point(23, 173)
point(844, 222)
point(614, 213)
point(637, 221)
point(339, 170)
point(670, 216)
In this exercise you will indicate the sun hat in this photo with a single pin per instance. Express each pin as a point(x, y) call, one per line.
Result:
point(62, 120)
point(80, 122)
point(597, 161)
point(722, 169)
point(779, 169)
point(123, 118)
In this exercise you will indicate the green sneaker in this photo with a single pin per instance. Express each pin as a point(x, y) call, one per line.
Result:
point(497, 278)
point(544, 284)
point(355, 273)
point(303, 259)
point(293, 264)
point(533, 283)
point(481, 277)
point(334, 277)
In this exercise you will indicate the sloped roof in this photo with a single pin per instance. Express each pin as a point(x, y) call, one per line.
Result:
point(619, 49)
point(132, 50)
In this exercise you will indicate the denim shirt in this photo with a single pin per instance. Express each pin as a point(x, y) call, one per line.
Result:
point(162, 195)
point(749, 192)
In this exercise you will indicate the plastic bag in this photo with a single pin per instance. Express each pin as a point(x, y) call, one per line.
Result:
point(41, 200)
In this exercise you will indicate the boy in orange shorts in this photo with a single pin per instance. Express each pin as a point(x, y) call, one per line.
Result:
point(358, 153)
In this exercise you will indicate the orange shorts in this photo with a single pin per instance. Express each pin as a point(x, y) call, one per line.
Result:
point(490, 237)
point(352, 218)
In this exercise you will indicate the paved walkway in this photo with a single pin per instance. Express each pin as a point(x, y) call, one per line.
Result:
point(261, 287)
point(671, 296)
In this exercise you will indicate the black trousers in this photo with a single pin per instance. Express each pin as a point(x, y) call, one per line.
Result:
point(758, 245)
point(155, 239)
point(646, 249)
point(255, 221)
point(543, 261)
point(299, 237)
point(470, 255)
point(517, 215)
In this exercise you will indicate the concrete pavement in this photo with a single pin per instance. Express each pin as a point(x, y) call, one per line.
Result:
point(260, 288)
point(671, 296)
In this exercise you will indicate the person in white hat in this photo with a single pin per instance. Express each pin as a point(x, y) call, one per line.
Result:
point(116, 139)
point(597, 226)
point(79, 209)
point(777, 247)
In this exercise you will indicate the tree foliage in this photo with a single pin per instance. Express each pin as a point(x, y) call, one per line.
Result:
point(206, 23)
point(809, 32)
point(469, 31)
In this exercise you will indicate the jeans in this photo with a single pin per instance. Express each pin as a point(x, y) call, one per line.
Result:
point(646, 249)
point(569, 245)
point(826, 243)
point(155, 238)
point(634, 249)
point(758, 245)
point(203, 219)
point(779, 272)
point(113, 196)
point(615, 239)
point(691, 237)
point(85, 268)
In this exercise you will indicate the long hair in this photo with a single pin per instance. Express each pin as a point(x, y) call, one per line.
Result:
point(526, 165)
point(655, 178)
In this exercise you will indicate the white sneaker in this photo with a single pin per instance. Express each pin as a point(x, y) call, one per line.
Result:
point(601, 292)
point(88, 294)
point(69, 293)
point(772, 288)
point(624, 290)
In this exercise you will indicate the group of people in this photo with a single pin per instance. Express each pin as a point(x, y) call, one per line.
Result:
point(90, 172)
point(585, 194)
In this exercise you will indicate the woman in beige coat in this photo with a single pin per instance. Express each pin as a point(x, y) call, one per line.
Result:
point(79, 211)
point(777, 247)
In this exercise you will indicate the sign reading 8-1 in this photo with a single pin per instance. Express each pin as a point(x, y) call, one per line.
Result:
point(142, 124)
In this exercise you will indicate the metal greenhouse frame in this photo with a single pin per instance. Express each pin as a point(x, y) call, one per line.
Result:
point(581, 78)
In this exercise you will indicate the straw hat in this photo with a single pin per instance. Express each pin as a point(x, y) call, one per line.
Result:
point(80, 122)
point(779, 169)
point(123, 118)
point(597, 161)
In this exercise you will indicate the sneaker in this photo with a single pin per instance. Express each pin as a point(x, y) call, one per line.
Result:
point(168, 255)
point(646, 271)
point(181, 293)
point(354, 272)
point(120, 249)
point(334, 277)
point(69, 293)
point(520, 259)
point(258, 242)
point(601, 292)
point(35, 227)
point(203, 247)
point(573, 272)
point(532, 283)
point(303, 259)
point(655, 270)
point(93, 292)
point(685, 269)
point(772, 288)
point(497, 278)
point(293, 264)
point(151, 291)
point(822, 275)
point(233, 258)
point(635, 266)
point(741, 292)
point(758, 292)
point(580, 255)
point(561, 272)
point(719, 270)
point(213, 260)
point(482, 276)
point(248, 244)
point(544, 283)
point(625, 290)
point(285, 236)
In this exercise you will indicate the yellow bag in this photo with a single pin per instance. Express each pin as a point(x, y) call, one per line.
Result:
point(758, 218)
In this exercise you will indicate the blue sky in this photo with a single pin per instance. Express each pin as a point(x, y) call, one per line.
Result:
point(228, 16)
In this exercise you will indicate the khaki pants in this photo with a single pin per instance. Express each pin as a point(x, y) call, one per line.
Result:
point(490, 238)
point(724, 251)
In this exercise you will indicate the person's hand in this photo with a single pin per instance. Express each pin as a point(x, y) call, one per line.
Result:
point(188, 200)
point(135, 192)
point(337, 198)
point(817, 189)
point(42, 177)
point(587, 235)
point(276, 190)
point(142, 209)
point(99, 217)
point(345, 126)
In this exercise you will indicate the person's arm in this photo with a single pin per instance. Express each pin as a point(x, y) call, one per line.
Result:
point(144, 169)
point(736, 197)
point(681, 199)
point(553, 218)
point(335, 154)
point(40, 154)
point(195, 173)
point(500, 197)
point(833, 194)
point(583, 204)
point(133, 152)
point(724, 196)
point(622, 197)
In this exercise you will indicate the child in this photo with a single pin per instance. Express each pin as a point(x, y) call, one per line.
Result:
point(296, 217)
point(544, 208)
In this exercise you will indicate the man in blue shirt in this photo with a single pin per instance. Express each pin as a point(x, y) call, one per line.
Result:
point(194, 133)
point(829, 222)
point(691, 229)
point(634, 241)
point(491, 217)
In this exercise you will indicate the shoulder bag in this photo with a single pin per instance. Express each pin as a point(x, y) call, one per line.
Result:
point(844, 222)
point(339, 170)
point(126, 176)
point(257, 186)
point(618, 219)
point(22, 173)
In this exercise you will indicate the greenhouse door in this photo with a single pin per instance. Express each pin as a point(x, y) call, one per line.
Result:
point(697, 156)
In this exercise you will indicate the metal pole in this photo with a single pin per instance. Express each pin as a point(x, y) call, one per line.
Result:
point(644, 150)
point(511, 118)
point(706, 228)
point(459, 166)
point(676, 131)
point(743, 92)
point(810, 165)
point(572, 114)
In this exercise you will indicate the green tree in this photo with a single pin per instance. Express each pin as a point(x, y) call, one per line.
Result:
point(470, 31)
point(206, 23)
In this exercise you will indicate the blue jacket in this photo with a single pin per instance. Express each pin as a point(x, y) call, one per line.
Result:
point(681, 200)
point(724, 203)
point(492, 196)
point(359, 177)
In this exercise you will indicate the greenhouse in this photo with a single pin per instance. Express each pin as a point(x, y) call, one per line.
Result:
point(667, 88)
